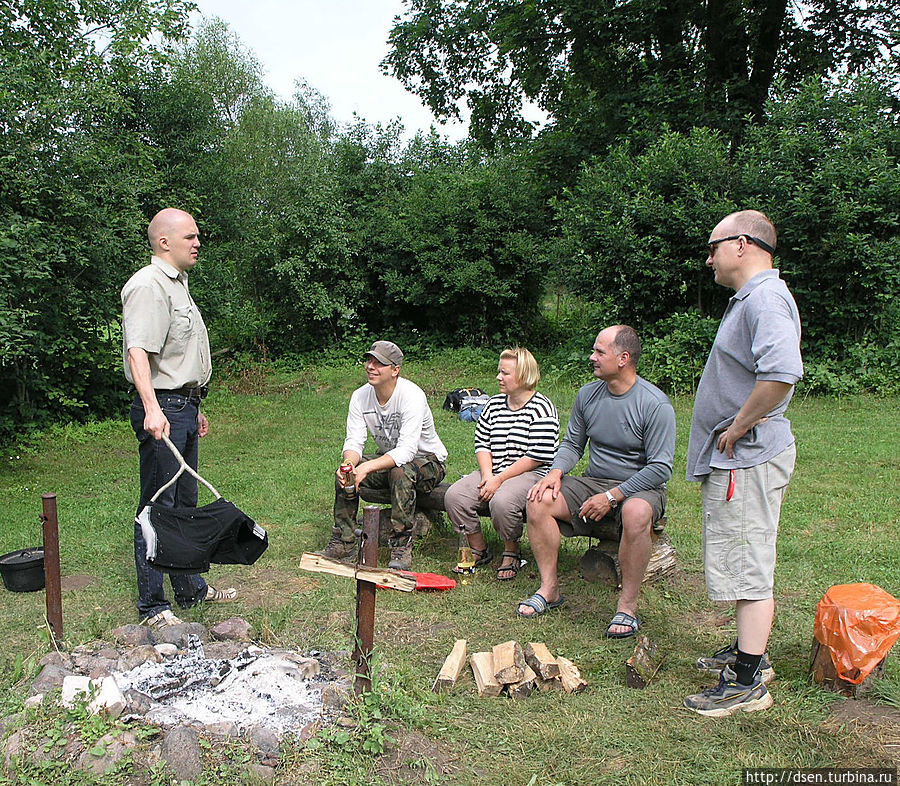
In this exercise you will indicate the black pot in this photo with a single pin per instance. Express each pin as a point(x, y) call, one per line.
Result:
point(23, 571)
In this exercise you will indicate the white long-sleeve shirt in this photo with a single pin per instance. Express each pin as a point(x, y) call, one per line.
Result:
point(402, 428)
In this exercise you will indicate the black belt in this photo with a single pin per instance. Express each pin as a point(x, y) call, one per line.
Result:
point(197, 393)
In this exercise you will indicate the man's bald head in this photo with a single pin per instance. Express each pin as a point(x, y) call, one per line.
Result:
point(752, 223)
point(174, 237)
point(164, 223)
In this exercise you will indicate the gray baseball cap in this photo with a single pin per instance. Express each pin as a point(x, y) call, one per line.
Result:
point(386, 352)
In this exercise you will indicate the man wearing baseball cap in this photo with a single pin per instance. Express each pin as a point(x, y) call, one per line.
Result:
point(410, 457)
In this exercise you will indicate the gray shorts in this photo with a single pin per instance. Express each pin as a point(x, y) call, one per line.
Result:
point(577, 488)
point(739, 535)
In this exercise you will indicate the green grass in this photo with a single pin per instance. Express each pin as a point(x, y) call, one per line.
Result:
point(273, 450)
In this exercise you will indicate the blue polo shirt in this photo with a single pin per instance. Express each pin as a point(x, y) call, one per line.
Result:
point(758, 339)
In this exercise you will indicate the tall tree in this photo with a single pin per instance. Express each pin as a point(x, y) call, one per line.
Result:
point(73, 173)
point(601, 67)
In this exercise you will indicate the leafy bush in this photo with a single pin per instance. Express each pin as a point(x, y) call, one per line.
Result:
point(674, 351)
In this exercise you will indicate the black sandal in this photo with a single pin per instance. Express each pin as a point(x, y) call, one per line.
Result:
point(517, 563)
point(482, 557)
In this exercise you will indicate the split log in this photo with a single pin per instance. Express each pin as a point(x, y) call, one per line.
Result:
point(453, 666)
point(524, 688)
point(641, 667)
point(552, 684)
point(822, 672)
point(483, 668)
point(388, 578)
point(509, 662)
point(539, 658)
point(569, 675)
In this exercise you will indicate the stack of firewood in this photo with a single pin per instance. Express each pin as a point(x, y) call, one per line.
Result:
point(510, 669)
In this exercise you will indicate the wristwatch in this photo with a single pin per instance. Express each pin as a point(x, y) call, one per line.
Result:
point(613, 502)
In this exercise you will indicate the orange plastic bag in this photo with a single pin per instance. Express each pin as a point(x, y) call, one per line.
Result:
point(859, 624)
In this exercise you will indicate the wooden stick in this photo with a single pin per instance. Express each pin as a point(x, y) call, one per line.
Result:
point(509, 662)
point(523, 689)
point(483, 668)
point(365, 602)
point(570, 676)
point(388, 578)
point(450, 671)
point(539, 658)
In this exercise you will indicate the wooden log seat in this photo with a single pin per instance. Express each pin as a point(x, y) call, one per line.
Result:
point(600, 563)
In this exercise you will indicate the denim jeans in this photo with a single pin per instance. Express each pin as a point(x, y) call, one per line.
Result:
point(158, 465)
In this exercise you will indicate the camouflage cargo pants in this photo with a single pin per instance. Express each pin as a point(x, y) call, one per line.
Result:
point(420, 475)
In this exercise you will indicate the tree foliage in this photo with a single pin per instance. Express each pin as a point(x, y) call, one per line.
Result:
point(317, 236)
point(825, 167)
point(72, 177)
point(601, 68)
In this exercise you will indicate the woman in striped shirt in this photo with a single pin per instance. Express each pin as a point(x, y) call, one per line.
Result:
point(515, 442)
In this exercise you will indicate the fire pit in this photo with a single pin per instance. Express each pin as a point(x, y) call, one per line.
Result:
point(280, 690)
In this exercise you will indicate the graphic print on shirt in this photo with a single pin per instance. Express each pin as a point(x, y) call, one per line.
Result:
point(385, 429)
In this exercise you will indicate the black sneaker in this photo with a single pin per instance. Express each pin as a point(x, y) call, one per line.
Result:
point(401, 553)
point(727, 657)
point(729, 696)
point(338, 549)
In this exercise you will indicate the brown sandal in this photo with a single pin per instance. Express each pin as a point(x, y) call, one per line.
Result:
point(517, 563)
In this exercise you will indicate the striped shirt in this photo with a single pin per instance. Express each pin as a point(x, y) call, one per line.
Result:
point(508, 435)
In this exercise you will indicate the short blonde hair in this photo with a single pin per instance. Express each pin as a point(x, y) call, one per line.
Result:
point(527, 372)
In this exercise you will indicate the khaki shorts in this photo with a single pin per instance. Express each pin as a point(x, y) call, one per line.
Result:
point(739, 535)
point(576, 489)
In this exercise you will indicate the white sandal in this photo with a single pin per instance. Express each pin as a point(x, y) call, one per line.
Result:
point(222, 596)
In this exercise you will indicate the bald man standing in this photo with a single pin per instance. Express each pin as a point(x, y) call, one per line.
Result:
point(166, 357)
point(741, 451)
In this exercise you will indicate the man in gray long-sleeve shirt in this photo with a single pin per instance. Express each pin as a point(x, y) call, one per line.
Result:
point(630, 425)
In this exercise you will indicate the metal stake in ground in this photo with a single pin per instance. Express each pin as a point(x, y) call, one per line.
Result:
point(365, 600)
point(53, 592)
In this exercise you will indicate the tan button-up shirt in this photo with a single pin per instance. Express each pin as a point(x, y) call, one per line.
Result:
point(159, 315)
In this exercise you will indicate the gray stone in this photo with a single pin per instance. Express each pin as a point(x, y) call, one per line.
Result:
point(103, 667)
point(232, 629)
point(223, 650)
point(110, 653)
point(13, 748)
point(181, 751)
point(135, 657)
point(131, 635)
point(264, 772)
point(263, 739)
point(114, 747)
point(137, 703)
point(223, 728)
point(335, 696)
point(166, 650)
point(178, 634)
point(50, 677)
point(56, 659)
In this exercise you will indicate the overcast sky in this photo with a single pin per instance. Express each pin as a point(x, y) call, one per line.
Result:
point(336, 46)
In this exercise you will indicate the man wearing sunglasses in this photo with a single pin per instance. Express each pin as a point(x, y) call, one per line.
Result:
point(741, 450)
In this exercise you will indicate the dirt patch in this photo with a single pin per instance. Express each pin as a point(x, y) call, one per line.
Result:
point(404, 629)
point(875, 725)
point(413, 757)
point(258, 587)
point(75, 582)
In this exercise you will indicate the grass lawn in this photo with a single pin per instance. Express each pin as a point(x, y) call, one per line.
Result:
point(274, 443)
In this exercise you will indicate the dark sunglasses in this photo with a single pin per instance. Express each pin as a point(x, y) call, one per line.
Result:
point(750, 239)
